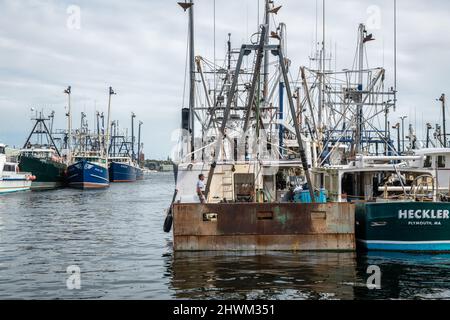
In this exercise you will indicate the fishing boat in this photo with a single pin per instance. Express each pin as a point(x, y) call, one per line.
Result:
point(412, 214)
point(253, 155)
point(401, 193)
point(88, 168)
point(122, 169)
point(43, 158)
point(11, 179)
point(88, 171)
point(403, 204)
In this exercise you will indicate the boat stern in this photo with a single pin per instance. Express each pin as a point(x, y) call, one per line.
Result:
point(264, 227)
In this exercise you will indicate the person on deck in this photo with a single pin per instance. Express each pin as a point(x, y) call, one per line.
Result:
point(201, 188)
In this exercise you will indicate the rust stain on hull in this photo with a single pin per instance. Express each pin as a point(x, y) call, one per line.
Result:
point(259, 227)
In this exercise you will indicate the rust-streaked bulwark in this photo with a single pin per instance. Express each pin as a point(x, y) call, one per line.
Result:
point(265, 227)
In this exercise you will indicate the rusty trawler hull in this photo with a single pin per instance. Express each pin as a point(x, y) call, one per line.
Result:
point(264, 227)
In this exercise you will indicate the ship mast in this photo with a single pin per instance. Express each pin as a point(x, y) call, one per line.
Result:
point(359, 111)
point(189, 5)
point(108, 127)
point(139, 144)
point(192, 77)
point(133, 155)
point(395, 54)
point(68, 91)
point(266, 56)
point(444, 127)
point(322, 79)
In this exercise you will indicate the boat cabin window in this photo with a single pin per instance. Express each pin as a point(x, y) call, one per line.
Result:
point(2, 150)
point(441, 161)
point(9, 168)
point(427, 163)
point(38, 154)
point(90, 159)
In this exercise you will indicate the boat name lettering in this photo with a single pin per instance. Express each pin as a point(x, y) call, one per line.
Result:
point(423, 214)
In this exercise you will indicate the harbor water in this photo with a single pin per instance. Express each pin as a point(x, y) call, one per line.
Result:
point(115, 238)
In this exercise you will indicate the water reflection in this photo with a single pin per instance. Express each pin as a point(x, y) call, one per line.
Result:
point(262, 276)
point(322, 275)
point(407, 276)
point(115, 236)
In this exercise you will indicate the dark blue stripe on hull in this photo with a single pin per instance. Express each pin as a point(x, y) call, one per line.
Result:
point(87, 175)
point(120, 172)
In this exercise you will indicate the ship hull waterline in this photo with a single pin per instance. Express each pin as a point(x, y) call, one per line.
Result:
point(264, 227)
point(403, 227)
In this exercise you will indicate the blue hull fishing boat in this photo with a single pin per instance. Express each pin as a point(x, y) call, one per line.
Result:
point(123, 162)
point(88, 174)
point(122, 170)
point(88, 166)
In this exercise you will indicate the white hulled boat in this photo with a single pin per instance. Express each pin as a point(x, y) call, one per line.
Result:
point(11, 180)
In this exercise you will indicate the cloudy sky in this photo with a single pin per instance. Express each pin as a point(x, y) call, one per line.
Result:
point(138, 47)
